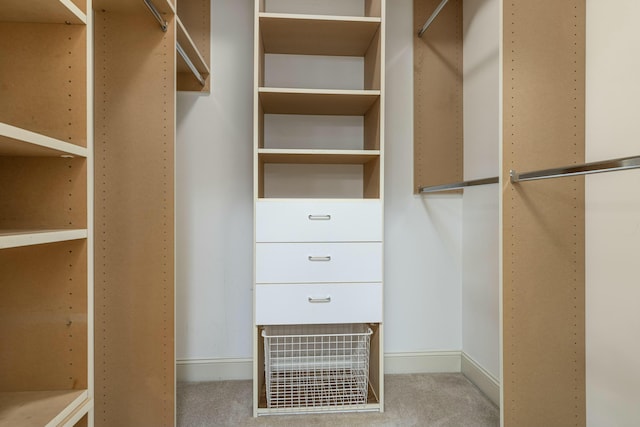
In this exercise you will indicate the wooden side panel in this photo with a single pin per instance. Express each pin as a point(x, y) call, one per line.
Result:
point(43, 317)
point(196, 17)
point(134, 221)
point(43, 192)
point(543, 221)
point(437, 98)
point(43, 77)
point(373, 8)
point(373, 63)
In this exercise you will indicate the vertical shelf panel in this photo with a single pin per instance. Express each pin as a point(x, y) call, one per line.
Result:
point(134, 221)
point(543, 221)
point(438, 129)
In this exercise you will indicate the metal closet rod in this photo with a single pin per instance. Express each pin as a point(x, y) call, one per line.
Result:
point(192, 67)
point(156, 14)
point(459, 185)
point(433, 16)
point(623, 163)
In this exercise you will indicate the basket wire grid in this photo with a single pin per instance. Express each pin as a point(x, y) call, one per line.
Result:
point(316, 366)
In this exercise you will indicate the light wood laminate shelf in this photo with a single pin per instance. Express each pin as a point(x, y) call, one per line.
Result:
point(39, 408)
point(15, 141)
point(39, 11)
point(317, 34)
point(18, 238)
point(326, 157)
point(317, 101)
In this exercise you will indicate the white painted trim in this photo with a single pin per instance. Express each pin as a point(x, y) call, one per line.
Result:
point(422, 363)
point(486, 382)
point(196, 370)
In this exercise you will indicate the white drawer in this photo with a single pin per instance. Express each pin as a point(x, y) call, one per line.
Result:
point(318, 303)
point(318, 221)
point(318, 262)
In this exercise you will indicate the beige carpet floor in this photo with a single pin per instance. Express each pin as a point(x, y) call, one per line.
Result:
point(425, 400)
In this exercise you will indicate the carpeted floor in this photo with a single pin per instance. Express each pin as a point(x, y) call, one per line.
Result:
point(425, 400)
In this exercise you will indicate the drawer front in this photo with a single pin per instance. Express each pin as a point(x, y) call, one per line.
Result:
point(318, 262)
point(318, 303)
point(318, 221)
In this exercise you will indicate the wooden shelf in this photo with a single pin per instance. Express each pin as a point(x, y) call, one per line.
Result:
point(15, 141)
point(317, 101)
point(344, 157)
point(317, 34)
point(38, 11)
point(39, 408)
point(17, 238)
point(192, 52)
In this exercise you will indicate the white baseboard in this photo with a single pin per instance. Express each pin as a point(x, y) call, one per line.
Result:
point(422, 363)
point(196, 370)
point(486, 382)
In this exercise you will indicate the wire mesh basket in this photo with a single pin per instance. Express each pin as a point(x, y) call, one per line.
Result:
point(316, 366)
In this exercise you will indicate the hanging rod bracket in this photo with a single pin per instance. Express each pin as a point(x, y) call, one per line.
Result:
point(156, 14)
point(433, 16)
point(190, 64)
point(514, 176)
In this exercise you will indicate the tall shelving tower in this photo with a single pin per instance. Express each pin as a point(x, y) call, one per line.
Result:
point(318, 237)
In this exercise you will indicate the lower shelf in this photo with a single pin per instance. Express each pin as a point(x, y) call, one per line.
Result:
point(372, 405)
point(18, 238)
point(39, 408)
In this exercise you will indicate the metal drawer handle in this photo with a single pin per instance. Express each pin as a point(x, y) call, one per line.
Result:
point(319, 258)
point(319, 217)
point(319, 300)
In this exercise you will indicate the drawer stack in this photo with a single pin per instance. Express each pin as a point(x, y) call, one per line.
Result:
point(318, 262)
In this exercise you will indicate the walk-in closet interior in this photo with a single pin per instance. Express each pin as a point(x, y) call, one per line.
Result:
point(311, 195)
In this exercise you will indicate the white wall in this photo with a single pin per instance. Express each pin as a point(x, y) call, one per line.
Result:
point(613, 215)
point(480, 232)
point(214, 207)
point(422, 234)
point(214, 197)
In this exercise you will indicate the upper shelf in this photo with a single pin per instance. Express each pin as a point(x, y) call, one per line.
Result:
point(39, 11)
point(317, 34)
point(305, 156)
point(317, 101)
point(15, 141)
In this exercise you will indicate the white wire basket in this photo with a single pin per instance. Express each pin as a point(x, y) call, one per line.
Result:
point(316, 366)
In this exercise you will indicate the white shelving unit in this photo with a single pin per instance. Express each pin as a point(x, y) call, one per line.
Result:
point(46, 208)
point(320, 256)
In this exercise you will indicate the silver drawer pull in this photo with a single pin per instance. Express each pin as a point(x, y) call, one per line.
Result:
point(319, 258)
point(319, 300)
point(319, 217)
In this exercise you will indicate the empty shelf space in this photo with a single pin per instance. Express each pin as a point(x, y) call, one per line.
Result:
point(15, 141)
point(345, 157)
point(39, 11)
point(317, 34)
point(317, 101)
point(17, 238)
point(39, 408)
